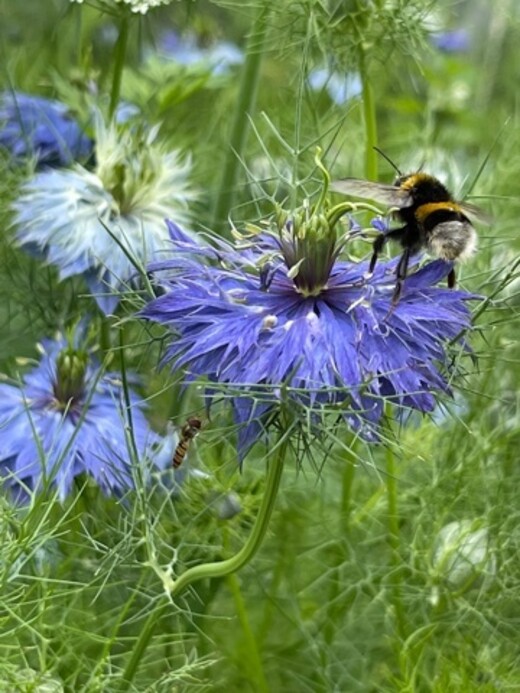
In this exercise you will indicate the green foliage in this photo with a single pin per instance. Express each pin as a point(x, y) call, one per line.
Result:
point(344, 595)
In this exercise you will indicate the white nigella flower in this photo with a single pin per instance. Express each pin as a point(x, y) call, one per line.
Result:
point(106, 223)
point(137, 6)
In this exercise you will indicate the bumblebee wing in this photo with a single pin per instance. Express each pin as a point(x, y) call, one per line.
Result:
point(475, 213)
point(389, 195)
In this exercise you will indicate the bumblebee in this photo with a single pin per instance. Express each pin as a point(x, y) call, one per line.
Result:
point(430, 218)
point(188, 433)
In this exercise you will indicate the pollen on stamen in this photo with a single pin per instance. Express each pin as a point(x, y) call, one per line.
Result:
point(269, 322)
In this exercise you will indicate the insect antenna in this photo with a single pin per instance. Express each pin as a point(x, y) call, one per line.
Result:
point(380, 151)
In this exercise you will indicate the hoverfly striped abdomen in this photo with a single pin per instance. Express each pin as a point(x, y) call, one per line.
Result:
point(188, 432)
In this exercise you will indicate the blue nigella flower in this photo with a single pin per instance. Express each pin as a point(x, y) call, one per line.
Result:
point(34, 127)
point(108, 223)
point(340, 87)
point(219, 57)
point(68, 417)
point(285, 310)
point(455, 41)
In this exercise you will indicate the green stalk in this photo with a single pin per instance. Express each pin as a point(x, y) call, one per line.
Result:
point(369, 113)
point(394, 541)
point(246, 553)
point(215, 569)
point(337, 607)
point(347, 480)
point(119, 63)
point(255, 669)
point(244, 106)
point(104, 334)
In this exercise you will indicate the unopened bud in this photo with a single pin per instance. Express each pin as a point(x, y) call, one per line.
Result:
point(228, 506)
point(462, 557)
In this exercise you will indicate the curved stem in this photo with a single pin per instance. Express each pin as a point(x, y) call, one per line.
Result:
point(335, 214)
point(119, 63)
point(215, 569)
point(326, 180)
point(369, 112)
point(246, 553)
point(244, 106)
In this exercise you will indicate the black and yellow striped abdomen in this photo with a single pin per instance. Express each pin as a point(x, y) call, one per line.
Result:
point(433, 213)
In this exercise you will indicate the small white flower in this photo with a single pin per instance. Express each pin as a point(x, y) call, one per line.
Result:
point(107, 223)
point(142, 6)
point(137, 6)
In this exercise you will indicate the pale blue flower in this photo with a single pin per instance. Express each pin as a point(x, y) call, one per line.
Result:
point(340, 87)
point(455, 41)
point(108, 223)
point(219, 56)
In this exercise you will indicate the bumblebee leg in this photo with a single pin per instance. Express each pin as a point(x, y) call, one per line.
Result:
point(402, 270)
point(393, 235)
point(452, 279)
point(376, 249)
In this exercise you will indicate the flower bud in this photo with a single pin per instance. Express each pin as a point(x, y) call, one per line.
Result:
point(71, 365)
point(462, 556)
point(228, 506)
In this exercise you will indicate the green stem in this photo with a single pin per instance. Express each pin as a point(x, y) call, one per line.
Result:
point(349, 471)
point(216, 569)
point(246, 553)
point(369, 113)
point(244, 106)
point(255, 670)
point(326, 180)
point(119, 63)
point(338, 606)
point(104, 335)
point(393, 540)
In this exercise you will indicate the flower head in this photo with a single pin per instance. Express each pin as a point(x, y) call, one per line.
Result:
point(34, 127)
point(284, 310)
point(340, 87)
point(107, 223)
point(219, 57)
point(68, 417)
point(136, 6)
point(456, 41)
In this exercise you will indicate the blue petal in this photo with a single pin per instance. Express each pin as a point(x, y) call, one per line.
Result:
point(47, 443)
